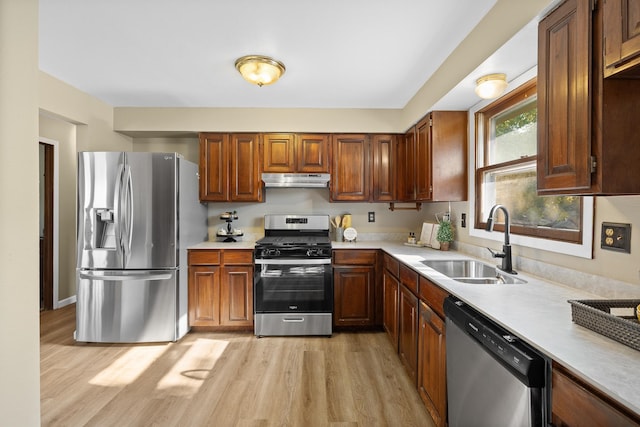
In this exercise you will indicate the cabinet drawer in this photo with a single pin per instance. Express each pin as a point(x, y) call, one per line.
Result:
point(391, 264)
point(409, 278)
point(207, 257)
point(237, 256)
point(433, 295)
point(354, 257)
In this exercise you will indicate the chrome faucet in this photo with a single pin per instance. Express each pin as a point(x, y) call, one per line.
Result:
point(507, 263)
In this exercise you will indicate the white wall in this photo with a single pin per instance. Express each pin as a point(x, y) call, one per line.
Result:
point(19, 247)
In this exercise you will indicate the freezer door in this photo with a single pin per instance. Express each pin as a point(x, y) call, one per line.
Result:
point(127, 215)
point(126, 306)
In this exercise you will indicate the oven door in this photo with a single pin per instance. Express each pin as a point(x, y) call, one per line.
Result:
point(293, 285)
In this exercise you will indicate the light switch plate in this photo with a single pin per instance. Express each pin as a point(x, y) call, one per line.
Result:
point(616, 237)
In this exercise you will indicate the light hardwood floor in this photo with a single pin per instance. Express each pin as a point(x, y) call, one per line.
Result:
point(224, 379)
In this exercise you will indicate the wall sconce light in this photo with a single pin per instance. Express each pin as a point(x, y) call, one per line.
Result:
point(260, 70)
point(491, 86)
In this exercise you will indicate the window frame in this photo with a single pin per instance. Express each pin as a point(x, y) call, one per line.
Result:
point(582, 248)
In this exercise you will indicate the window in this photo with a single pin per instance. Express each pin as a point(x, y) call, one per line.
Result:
point(506, 147)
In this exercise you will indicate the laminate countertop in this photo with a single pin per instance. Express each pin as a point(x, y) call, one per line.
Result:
point(537, 312)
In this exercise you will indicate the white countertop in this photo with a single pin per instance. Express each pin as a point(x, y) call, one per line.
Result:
point(537, 312)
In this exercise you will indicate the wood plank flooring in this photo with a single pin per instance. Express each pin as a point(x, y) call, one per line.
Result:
point(224, 379)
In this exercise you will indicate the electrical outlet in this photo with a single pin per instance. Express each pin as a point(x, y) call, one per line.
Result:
point(372, 217)
point(616, 237)
point(463, 220)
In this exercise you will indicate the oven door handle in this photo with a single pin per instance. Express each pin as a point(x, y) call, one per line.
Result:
point(290, 261)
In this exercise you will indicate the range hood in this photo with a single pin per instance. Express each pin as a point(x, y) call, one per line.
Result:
point(302, 180)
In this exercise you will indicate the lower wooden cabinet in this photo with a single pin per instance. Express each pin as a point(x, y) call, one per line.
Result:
point(221, 289)
point(408, 331)
point(354, 283)
point(390, 295)
point(574, 403)
point(432, 366)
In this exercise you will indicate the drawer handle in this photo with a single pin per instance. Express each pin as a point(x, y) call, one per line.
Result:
point(293, 319)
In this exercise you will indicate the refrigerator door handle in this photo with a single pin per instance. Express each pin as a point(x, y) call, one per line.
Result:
point(127, 202)
point(129, 277)
point(117, 208)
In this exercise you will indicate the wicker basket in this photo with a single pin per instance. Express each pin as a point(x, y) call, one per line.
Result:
point(596, 315)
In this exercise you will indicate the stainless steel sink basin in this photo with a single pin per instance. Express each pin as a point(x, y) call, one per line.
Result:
point(471, 271)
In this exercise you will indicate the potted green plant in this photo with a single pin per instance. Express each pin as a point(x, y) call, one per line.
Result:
point(445, 234)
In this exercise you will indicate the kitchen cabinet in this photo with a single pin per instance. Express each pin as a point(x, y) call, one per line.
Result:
point(354, 282)
point(350, 168)
point(390, 296)
point(290, 153)
point(230, 167)
point(585, 122)
point(432, 369)
point(408, 321)
point(214, 167)
point(405, 166)
point(441, 156)
point(221, 289)
point(384, 167)
point(621, 37)
point(575, 403)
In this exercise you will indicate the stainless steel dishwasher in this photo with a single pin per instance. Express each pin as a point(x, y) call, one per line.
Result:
point(493, 378)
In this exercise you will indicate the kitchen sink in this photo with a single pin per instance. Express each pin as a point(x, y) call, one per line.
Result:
point(471, 271)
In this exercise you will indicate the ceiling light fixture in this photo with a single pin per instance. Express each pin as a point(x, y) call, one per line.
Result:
point(260, 70)
point(491, 86)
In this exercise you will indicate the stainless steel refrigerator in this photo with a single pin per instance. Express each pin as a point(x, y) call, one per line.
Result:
point(136, 215)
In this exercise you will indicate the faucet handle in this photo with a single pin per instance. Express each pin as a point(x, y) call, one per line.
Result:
point(496, 254)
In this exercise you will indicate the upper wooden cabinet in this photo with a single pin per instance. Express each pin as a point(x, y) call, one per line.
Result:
point(350, 171)
point(405, 166)
point(384, 167)
point(621, 37)
point(585, 122)
point(289, 153)
point(441, 157)
point(230, 167)
point(214, 167)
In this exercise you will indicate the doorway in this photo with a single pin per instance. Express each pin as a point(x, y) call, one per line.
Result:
point(48, 229)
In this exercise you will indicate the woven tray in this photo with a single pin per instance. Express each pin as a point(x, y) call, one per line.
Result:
point(596, 315)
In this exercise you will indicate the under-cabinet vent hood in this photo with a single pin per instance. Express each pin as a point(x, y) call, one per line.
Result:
point(302, 180)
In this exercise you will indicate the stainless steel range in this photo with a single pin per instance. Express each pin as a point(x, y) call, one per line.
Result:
point(293, 280)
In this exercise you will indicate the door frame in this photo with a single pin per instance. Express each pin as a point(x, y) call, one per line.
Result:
point(55, 258)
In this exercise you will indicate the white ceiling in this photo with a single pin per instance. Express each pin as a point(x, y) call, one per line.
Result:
point(338, 53)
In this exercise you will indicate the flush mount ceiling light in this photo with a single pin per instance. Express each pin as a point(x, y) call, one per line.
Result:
point(491, 86)
point(260, 70)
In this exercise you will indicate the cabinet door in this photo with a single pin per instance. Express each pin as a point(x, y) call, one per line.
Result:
point(353, 296)
point(390, 289)
point(278, 153)
point(312, 153)
point(236, 296)
point(564, 120)
point(449, 155)
point(214, 167)
point(384, 168)
point(246, 184)
point(621, 36)
point(423, 159)
point(408, 332)
point(574, 403)
point(204, 296)
point(406, 165)
point(432, 369)
point(350, 180)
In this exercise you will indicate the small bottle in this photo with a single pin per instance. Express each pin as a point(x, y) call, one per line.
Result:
point(412, 238)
